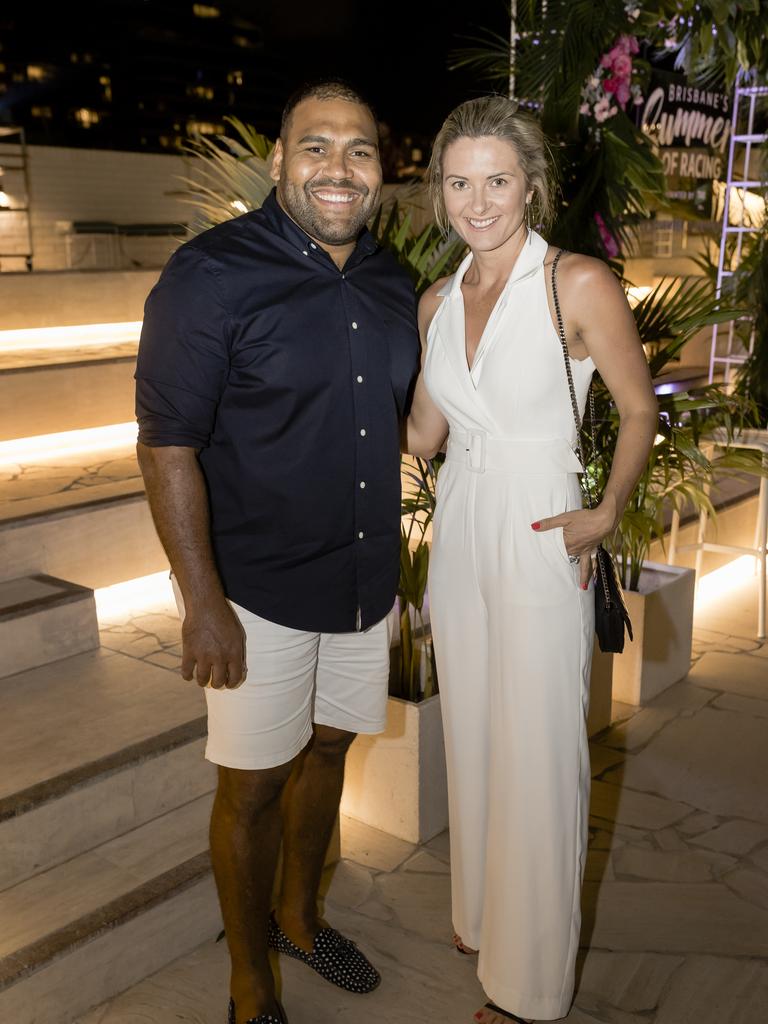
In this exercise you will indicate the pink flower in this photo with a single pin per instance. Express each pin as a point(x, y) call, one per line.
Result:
point(604, 110)
point(622, 94)
point(634, 46)
point(622, 66)
point(609, 243)
point(611, 85)
point(584, 108)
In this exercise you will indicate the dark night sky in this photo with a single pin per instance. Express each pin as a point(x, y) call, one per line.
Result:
point(396, 51)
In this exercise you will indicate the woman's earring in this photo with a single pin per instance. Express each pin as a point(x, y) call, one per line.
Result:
point(528, 218)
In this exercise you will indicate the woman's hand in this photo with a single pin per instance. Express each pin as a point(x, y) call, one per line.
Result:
point(583, 529)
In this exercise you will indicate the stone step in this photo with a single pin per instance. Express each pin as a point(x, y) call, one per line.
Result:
point(76, 528)
point(79, 390)
point(88, 929)
point(93, 746)
point(43, 619)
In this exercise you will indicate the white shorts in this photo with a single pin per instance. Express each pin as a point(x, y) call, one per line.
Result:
point(296, 678)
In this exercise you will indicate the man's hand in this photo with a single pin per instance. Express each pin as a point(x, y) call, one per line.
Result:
point(213, 646)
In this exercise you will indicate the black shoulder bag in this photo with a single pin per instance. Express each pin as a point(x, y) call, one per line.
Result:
point(611, 615)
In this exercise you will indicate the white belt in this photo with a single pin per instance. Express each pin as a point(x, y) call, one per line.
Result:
point(479, 453)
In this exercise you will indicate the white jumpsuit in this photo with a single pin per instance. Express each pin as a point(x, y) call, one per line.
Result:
point(513, 636)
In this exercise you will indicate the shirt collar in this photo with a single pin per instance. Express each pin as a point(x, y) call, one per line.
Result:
point(288, 229)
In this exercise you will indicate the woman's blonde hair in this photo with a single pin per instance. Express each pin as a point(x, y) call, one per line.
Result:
point(496, 117)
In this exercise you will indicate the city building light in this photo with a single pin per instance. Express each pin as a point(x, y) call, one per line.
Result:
point(205, 11)
point(205, 128)
point(86, 117)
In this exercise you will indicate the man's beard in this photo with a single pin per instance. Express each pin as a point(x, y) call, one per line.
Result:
point(300, 207)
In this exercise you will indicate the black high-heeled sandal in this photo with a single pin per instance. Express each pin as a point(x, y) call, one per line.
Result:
point(505, 1013)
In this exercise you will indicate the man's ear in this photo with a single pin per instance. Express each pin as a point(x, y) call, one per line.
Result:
point(277, 161)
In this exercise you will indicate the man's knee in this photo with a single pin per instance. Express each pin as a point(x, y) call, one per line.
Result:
point(331, 744)
point(247, 793)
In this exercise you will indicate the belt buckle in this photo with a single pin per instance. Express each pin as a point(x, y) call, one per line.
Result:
point(476, 451)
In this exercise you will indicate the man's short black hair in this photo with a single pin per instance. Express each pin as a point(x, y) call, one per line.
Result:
point(324, 89)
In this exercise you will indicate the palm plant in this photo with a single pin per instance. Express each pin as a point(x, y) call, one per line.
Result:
point(416, 675)
point(232, 175)
point(679, 470)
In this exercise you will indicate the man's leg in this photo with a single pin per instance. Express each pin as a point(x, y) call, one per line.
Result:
point(245, 839)
point(310, 806)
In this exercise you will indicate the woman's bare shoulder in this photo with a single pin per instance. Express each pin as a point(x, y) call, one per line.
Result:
point(579, 271)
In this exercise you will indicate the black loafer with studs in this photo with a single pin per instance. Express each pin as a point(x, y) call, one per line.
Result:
point(263, 1018)
point(334, 957)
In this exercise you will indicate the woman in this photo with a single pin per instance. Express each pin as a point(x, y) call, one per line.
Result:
point(512, 604)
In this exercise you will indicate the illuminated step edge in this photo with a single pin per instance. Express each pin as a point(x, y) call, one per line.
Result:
point(77, 336)
point(50, 447)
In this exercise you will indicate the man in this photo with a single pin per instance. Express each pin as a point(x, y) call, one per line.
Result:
point(276, 358)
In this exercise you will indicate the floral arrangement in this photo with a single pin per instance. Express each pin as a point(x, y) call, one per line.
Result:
point(613, 84)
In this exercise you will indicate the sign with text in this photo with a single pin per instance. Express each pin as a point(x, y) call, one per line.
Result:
point(691, 126)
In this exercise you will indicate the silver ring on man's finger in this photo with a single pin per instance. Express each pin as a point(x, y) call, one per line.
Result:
point(573, 559)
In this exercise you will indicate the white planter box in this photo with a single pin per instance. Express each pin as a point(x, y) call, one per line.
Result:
point(662, 621)
point(396, 781)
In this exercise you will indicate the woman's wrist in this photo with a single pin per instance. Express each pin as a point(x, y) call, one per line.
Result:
point(609, 511)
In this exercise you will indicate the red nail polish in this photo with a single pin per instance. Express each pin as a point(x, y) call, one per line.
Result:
point(535, 526)
point(585, 586)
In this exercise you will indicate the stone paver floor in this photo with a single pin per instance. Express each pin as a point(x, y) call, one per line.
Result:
point(676, 892)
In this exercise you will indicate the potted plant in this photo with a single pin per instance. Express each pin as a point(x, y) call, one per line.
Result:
point(678, 475)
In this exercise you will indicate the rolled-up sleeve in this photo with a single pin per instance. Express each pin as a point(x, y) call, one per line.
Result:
point(183, 360)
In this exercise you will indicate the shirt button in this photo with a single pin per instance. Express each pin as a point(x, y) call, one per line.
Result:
point(361, 535)
point(304, 252)
point(312, 245)
point(359, 380)
point(362, 432)
point(354, 325)
point(362, 485)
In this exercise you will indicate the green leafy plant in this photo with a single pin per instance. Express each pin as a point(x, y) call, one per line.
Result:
point(415, 677)
point(680, 469)
point(232, 175)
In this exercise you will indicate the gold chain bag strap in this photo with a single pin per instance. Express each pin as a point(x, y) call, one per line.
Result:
point(611, 615)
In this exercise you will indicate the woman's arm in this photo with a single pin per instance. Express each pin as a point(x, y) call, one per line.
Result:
point(426, 428)
point(599, 322)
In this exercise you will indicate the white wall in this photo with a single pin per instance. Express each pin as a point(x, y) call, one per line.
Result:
point(97, 185)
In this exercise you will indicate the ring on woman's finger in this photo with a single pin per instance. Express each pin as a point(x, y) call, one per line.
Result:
point(573, 559)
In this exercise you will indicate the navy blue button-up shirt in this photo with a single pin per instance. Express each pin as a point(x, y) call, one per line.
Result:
point(291, 376)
